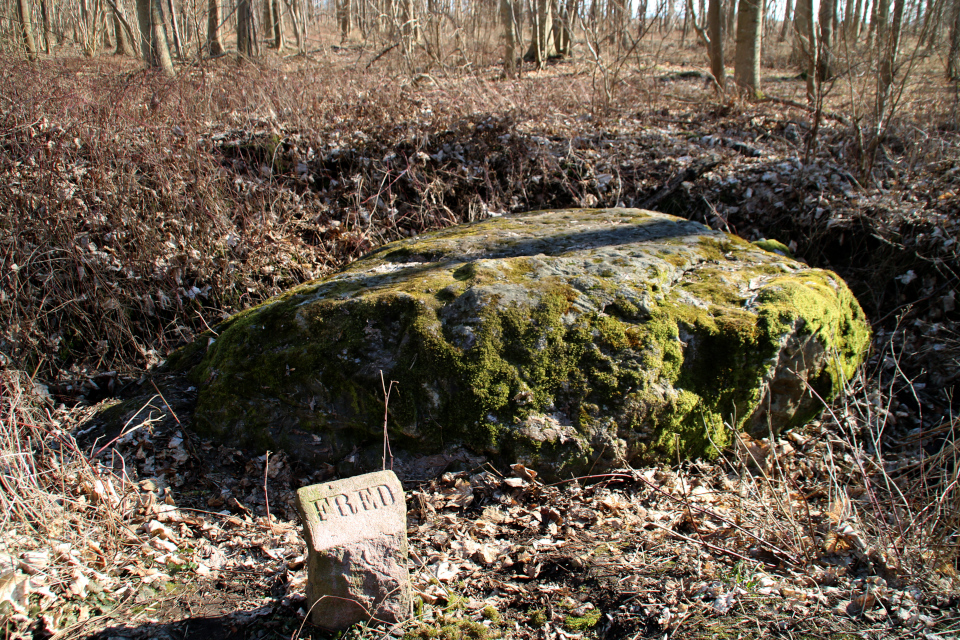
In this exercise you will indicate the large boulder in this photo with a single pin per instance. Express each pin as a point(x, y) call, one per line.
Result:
point(566, 340)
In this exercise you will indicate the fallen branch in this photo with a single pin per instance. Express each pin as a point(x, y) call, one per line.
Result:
point(381, 54)
point(693, 172)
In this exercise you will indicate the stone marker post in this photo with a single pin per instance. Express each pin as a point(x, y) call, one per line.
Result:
point(356, 533)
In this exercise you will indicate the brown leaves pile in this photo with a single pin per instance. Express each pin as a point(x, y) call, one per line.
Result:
point(783, 529)
point(86, 533)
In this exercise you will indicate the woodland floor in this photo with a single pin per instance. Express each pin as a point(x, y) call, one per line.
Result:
point(137, 212)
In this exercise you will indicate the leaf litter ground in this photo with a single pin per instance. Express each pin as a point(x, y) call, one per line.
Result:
point(831, 530)
point(761, 542)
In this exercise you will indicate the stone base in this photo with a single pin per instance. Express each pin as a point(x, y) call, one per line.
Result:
point(361, 582)
point(356, 535)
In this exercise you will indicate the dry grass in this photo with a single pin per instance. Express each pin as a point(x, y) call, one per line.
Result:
point(137, 211)
point(69, 517)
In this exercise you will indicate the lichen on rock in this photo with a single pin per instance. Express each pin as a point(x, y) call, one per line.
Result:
point(567, 340)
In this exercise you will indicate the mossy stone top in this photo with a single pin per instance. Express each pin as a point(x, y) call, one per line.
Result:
point(567, 340)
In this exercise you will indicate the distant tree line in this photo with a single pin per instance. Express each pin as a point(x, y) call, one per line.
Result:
point(520, 33)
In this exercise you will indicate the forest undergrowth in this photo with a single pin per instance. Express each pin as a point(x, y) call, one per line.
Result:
point(137, 211)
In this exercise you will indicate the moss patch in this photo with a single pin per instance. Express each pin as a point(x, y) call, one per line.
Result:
point(567, 340)
point(774, 246)
point(584, 622)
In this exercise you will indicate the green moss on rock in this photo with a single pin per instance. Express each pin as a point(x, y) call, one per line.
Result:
point(568, 340)
point(774, 246)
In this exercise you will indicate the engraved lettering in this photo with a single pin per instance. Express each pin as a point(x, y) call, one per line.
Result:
point(343, 500)
point(324, 510)
point(367, 500)
point(386, 495)
point(349, 504)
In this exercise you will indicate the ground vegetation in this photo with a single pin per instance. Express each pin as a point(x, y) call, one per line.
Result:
point(139, 209)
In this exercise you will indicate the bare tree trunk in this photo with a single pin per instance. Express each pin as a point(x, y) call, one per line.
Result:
point(214, 39)
point(878, 26)
point(109, 25)
point(295, 9)
point(854, 22)
point(267, 20)
point(888, 57)
point(541, 36)
point(562, 26)
point(25, 15)
point(124, 46)
point(805, 43)
point(715, 44)
point(825, 50)
point(343, 18)
point(246, 30)
point(953, 58)
point(153, 36)
point(127, 33)
point(932, 18)
point(888, 49)
point(409, 31)
point(175, 29)
point(47, 32)
point(508, 17)
point(143, 20)
point(685, 27)
point(700, 29)
point(278, 40)
point(621, 25)
point(731, 17)
point(785, 27)
point(159, 33)
point(849, 9)
point(746, 68)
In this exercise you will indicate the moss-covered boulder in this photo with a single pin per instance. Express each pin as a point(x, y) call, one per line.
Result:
point(567, 340)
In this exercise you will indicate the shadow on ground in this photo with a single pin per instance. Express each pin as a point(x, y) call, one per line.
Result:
point(259, 623)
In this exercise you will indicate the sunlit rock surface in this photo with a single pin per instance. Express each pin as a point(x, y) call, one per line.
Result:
point(568, 340)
